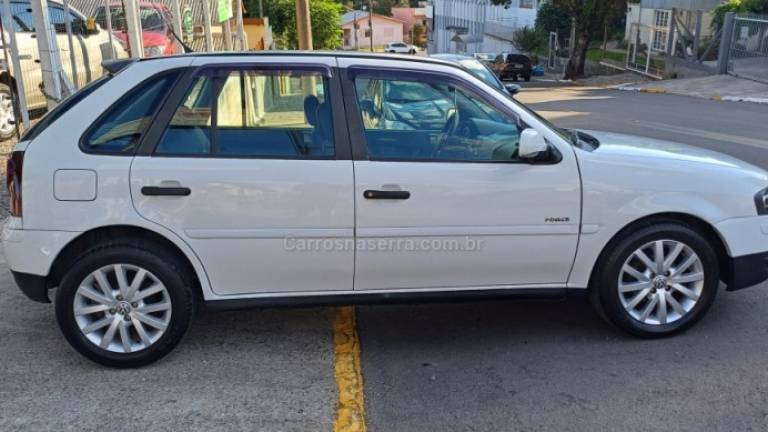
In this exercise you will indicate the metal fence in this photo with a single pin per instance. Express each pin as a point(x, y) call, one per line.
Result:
point(748, 56)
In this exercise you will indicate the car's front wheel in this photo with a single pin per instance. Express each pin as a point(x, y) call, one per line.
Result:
point(656, 280)
point(125, 304)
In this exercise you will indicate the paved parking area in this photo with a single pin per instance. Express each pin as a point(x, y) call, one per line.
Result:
point(235, 371)
point(505, 365)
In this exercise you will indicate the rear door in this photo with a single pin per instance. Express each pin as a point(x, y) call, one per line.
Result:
point(251, 167)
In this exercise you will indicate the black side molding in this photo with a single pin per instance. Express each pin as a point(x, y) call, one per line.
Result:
point(389, 298)
point(746, 271)
point(33, 286)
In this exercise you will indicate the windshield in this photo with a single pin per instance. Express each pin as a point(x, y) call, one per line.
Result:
point(481, 71)
point(151, 18)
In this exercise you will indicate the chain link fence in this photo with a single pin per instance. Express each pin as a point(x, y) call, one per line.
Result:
point(748, 56)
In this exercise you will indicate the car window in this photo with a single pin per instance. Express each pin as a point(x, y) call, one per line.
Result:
point(481, 71)
point(121, 128)
point(59, 21)
point(151, 18)
point(517, 58)
point(23, 21)
point(253, 113)
point(423, 120)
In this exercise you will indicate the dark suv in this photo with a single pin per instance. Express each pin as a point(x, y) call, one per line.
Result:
point(515, 66)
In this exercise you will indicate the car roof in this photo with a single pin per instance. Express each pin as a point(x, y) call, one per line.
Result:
point(452, 57)
point(292, 53)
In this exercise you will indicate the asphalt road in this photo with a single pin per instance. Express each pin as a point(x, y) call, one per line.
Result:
point(509, 365)
point(555, 366)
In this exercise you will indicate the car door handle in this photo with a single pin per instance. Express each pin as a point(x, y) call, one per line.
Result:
point(386, 194)
point(166, 191)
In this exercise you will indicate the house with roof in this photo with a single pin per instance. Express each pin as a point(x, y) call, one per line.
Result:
point(358, 30)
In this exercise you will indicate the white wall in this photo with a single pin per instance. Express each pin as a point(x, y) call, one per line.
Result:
point(473, 15)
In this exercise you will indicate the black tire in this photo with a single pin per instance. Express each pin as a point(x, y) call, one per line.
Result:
point(6, 91)
point(164, 265)
point(412, 52)
point(604, 285)
point(514, 78)
point(527, 78)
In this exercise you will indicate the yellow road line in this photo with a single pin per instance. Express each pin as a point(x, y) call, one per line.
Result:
point(350, 408)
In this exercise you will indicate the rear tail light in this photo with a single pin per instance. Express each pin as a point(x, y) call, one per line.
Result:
point(13, 171)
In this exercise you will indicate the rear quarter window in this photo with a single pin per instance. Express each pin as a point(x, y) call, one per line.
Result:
point(120, 129)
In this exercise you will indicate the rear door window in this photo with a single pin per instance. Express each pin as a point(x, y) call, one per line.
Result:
point(252, 113)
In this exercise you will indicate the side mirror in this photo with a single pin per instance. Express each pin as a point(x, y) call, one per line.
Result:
point(512, 89)
point(532, 144)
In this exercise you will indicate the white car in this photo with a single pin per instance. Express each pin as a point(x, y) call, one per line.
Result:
point(399, 48)
point(290, 179)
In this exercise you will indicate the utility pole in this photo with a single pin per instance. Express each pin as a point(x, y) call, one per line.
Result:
point(133, 25)
point(54, 80)
point(370, 21)
point(72, 57)
point(304, 25)
point(176, 8)
point(356, 28)
point(207, 26)
point(241, 37)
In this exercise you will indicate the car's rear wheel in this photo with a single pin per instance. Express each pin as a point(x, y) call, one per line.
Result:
point(527, 78)
point(125, 304)
point(7, 113)
point(656, 280)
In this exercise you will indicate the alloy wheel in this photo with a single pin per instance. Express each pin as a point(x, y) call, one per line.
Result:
point(122, 308)
point(7, 115)
point(661, 282)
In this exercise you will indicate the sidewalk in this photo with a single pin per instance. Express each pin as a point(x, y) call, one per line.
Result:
point(717, 87)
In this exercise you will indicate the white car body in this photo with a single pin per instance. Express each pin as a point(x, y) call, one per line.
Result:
point(253, 229)
point(399, 48)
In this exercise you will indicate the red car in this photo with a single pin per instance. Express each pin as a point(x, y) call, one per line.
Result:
point(156, 22)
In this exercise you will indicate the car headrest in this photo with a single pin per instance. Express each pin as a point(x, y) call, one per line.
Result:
point(311, 103)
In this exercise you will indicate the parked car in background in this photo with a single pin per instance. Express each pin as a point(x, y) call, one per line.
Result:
point(479, 69)
point(513, 66)
point(90, 46)
point(486, 58)
point(400, 48)
point(156, 28)
point(241, 180)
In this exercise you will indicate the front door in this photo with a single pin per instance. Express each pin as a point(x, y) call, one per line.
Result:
point(442, 198)
point(249, 174)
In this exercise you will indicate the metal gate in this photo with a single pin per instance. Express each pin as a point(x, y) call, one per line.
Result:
point(748, 55)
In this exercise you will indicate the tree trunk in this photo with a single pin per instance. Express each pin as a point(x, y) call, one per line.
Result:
point(575, 66)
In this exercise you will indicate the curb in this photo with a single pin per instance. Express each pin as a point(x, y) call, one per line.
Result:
point(659, 90)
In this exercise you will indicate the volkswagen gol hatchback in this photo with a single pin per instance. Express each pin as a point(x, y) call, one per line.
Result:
point(324, 178)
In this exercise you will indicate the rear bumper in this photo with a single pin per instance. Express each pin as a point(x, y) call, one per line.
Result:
point(746, 271)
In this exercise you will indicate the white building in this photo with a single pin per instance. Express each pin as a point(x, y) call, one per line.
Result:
point(653, 19)
point(477, 26)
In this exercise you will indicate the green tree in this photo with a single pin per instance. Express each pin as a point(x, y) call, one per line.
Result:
point(552, 17)
point(325, 15)
point(756, 7)
point(528, 40)
point(591, 18)
point(419, 35)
